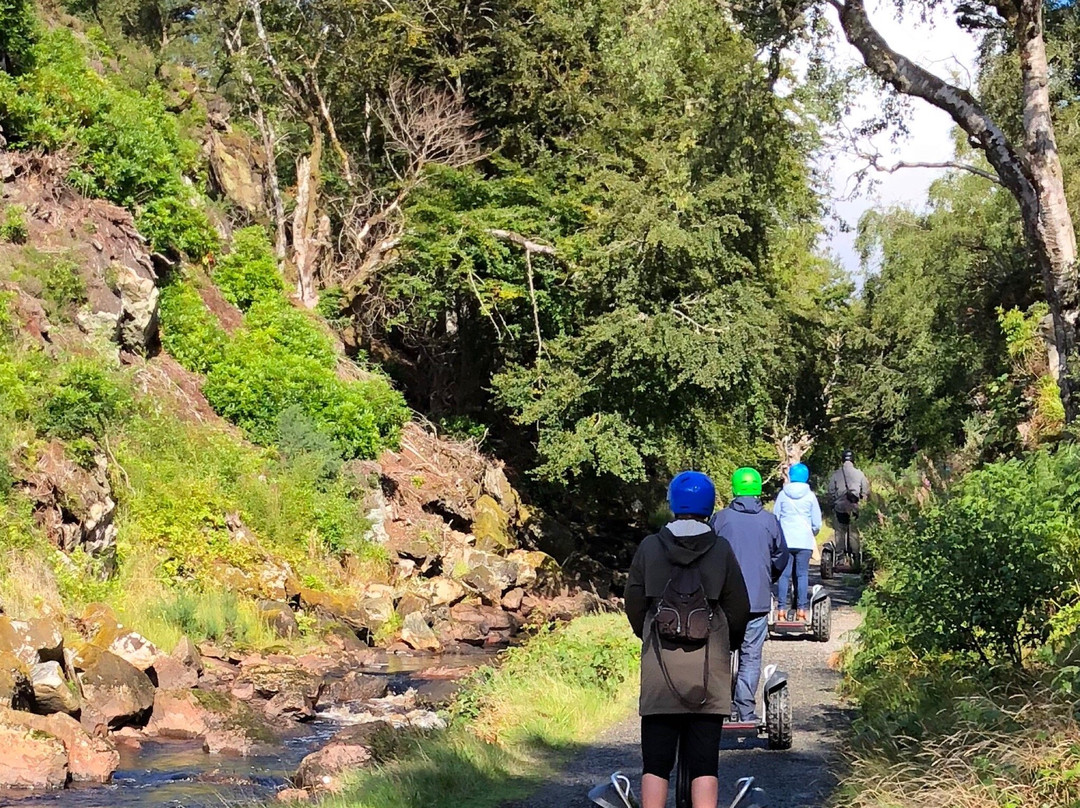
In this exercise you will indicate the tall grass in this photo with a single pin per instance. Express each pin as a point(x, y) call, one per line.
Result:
point(513, 724)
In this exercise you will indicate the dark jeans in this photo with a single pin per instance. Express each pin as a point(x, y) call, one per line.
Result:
point(847, 534)
point(799, 563)
point(700, 737)
point(750, 667)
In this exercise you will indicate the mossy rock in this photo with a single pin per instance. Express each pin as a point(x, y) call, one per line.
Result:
point(491, 526)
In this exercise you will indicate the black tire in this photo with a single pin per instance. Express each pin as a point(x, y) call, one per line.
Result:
point(825, 568)
point(821, 619)
point(682, 781)
point(778, 718)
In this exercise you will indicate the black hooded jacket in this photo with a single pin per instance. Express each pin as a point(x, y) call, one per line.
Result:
point(682, 543)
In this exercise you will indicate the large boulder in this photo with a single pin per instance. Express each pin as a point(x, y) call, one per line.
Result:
point(114, 688)
point(16, 689)
point(487, 574)
point(354, 686)
point(224, 724)
point(292, 691)
point(31, 759)
point(137, 325)
point(279, 617)
point(32, 641)
point(349, 749)
point(444, 591)
point(417, 634)
point(491, 526)
point(88, 759)
point(53, 693)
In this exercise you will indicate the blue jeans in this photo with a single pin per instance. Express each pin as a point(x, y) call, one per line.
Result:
point(800, 563)
point(750, 667)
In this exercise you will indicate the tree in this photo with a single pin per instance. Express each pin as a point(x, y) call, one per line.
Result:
point(1031, 170)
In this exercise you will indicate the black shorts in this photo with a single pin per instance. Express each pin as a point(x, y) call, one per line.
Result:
point(700, 737)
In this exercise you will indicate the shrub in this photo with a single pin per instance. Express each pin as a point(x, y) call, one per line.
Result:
point(81, 403)
point(292, 329)
point(173, 223)
point(300, 441)
point(249, 272)
point(189, 331)
point(17, 32)
point(13, 229)
point(259, 379)
point(984, 571)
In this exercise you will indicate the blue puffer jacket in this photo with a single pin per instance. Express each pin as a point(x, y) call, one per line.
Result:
point(800, 515)
point(755, 536)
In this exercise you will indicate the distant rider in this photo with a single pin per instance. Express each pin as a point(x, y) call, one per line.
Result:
point(799, 513)
point(848, 490)
point(755, 536)
point(685, 685)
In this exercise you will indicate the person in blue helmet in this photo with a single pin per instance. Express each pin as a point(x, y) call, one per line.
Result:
point(687, 601)
point(799, 513)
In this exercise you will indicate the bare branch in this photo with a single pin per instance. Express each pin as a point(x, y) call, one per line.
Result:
point(521, 241)
point(875, 163)
point(530, 247)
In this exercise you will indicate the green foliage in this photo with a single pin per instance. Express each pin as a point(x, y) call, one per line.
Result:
point(1021, 330)
point(82, 402)
point(293, 330)
point(189, 331)
point(216, 615)
point(983, 572)
point(174, 222)
point(18, 30)
point(249, 272)
point(260, 378)
point(54, 278)
point(13, 229)
point(299, 440)
point(127, 146)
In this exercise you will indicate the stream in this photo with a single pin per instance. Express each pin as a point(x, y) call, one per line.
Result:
point(178, 774)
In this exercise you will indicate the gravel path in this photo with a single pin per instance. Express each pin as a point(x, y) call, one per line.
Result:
point(800, 777)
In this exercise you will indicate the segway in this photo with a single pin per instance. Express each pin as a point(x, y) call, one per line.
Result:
point(777, 724)
point(818, 626)
point(833, 562)
point(617, 793)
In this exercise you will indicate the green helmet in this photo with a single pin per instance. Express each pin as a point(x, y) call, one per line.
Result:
point(746, 482)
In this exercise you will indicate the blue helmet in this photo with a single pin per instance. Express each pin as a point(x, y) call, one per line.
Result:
point(799, 473)
point(691, 493)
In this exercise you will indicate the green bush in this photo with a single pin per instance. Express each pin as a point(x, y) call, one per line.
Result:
point(83, 401)
point(171, 223)
point(983, 572)
point(300, 441)
point(18, 29)
point(292, 329)
point(189, 331)
point(259, 379)
point(249, 272)
point(13, 229)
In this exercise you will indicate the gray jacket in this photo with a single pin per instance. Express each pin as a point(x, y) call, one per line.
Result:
point(682, 543)
point(848, 478)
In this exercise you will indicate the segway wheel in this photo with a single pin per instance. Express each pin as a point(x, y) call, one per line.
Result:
point(821, 619)
point(826, 566)
point(778, 719)
point(682, 781)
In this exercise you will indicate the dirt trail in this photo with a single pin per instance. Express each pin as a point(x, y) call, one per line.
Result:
point(801, 777)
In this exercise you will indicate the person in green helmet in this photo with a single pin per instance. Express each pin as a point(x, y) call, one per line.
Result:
point(758, 542)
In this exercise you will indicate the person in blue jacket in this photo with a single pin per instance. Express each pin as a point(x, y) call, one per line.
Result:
point(799, 513)
point(755, 536)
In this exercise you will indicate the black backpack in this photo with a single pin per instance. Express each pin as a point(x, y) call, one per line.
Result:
point(683, 616)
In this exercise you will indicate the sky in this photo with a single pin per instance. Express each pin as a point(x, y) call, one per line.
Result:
point(940, 47)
